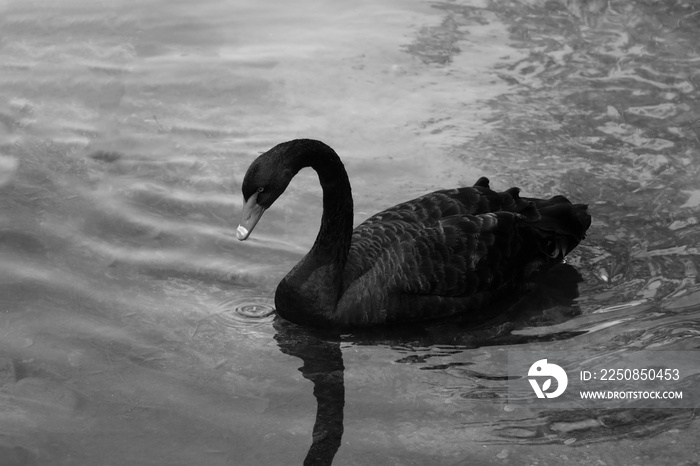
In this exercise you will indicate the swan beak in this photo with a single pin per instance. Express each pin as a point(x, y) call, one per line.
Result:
point(252, 211)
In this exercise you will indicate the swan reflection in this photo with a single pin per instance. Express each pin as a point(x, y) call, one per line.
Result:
point(323, 366)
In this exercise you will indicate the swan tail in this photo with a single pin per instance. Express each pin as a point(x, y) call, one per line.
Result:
point(561, 226)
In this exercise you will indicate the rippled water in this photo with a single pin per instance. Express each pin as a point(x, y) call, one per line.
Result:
point(135, 329)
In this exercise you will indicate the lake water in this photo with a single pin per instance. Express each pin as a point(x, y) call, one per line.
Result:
point(134, 326)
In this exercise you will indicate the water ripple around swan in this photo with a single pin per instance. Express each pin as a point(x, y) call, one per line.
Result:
point(239, 313)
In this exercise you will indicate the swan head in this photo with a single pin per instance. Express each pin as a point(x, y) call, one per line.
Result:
point(266, 179)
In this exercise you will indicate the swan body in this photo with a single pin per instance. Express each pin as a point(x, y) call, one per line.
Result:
point(446, 253)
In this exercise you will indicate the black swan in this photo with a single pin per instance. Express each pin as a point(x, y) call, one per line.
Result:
point(446, 253)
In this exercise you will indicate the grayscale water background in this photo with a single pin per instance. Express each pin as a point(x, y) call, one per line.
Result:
point(132, 322)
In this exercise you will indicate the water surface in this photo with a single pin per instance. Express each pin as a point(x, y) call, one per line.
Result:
point(136, 329)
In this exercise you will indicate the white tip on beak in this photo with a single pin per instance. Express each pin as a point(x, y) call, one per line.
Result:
point(241, 232)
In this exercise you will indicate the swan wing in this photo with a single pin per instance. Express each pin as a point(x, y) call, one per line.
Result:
point(408, 220)
point(463, 255)
point(441, 270)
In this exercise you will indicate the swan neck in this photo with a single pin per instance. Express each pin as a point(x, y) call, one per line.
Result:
point(336, 222)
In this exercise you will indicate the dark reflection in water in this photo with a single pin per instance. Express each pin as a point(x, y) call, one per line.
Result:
point(323, 366)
